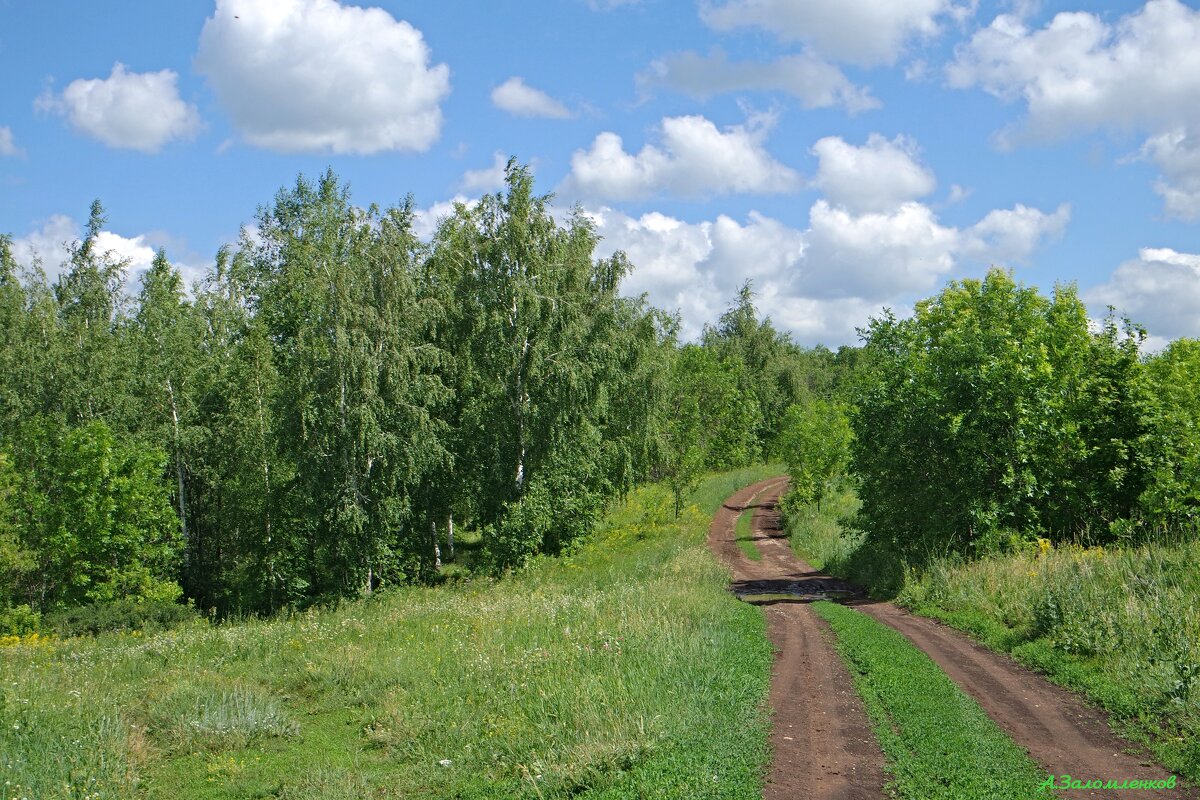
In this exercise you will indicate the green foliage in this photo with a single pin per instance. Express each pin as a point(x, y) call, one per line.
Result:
point(994, 409)
point(98, 519)
point(815, 440)
point(710, 420)
point(557, 376)
point(1172, 497)
point(145, 615)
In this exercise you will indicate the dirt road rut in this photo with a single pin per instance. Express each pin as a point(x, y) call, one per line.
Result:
point(821, 740)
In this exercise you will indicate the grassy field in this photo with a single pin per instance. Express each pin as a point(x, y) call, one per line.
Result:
point(938, 742)
point(624, 670)
point(1118, 625)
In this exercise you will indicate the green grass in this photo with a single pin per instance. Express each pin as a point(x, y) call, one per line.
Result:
point(818, 534)
point(744, 535)
point(1115, 625)
point(624, 670)
point(938, 742)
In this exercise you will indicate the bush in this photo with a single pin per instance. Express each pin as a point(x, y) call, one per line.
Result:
point(120, 615)
point(18, 621)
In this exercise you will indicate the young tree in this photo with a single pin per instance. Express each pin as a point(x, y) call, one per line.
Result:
point(815, 439)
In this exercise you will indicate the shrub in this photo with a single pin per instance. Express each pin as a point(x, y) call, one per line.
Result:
point(120, 615)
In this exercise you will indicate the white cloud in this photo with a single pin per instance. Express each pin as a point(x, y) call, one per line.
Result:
point(427, 220)
point(1011, 235)
point(487, 179)
point(865, 32)
point(1081, 73)
point(878, 176)
point(314, 75)
point(958, 194)
point(815, 82)
point(1159, 289)
point(131, 110)
point(49, 243)
point(876, 256)
point(8, 144)
point(695, 159)
point(820, 282)
point(518, 98)
point(1177, 154)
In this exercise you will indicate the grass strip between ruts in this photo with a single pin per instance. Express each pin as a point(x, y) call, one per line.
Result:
point(744, 535)
point(938, 742)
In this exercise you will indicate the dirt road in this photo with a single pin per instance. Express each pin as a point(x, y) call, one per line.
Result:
point(821, 740)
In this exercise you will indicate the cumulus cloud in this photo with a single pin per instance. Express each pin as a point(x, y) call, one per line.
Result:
point(880, 175)
point(521, 100)
point(487, 179)
point(1012, 235)
point(876, 255)
point(865, 32)
point(814, 82)
point(318, 76)
point(131, 110)
point(695, 158)
point(820, 282)
point(1177, 154)
point(48, 246)
point(8, 144)
point(1159, 289)
point(1079, 73)
point(427, 220)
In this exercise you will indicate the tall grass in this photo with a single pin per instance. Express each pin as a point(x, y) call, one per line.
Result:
point(624, 670)
point(1119, 625)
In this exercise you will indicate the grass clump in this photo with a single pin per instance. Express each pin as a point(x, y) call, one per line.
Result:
point(939, 743)
point(623, 670)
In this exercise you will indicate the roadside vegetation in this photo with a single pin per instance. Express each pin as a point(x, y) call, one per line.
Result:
point(624, 669)
point(938, 742)
point(1032, 480)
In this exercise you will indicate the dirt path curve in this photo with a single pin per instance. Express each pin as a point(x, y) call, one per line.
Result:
point(1061, 733)
point(821, 740)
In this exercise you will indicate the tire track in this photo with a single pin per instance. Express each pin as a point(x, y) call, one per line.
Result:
point(821, 741)
point(1059, 731)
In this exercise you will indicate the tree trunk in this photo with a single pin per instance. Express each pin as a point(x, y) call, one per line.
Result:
point(450, 537)
point(179, 474)
point(433, 540)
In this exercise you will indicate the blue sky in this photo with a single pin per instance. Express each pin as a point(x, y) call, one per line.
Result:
point(844, 155)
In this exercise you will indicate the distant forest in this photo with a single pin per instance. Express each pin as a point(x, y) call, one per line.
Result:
point(313, 419)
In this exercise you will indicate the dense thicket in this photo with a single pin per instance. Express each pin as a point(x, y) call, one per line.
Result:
point(313, 418)
point(995, 415)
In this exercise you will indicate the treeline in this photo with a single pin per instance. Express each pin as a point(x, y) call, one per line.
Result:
point(996, 415)
point(314, 419)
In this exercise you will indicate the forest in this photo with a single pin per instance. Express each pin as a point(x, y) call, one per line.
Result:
point(316, 417)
